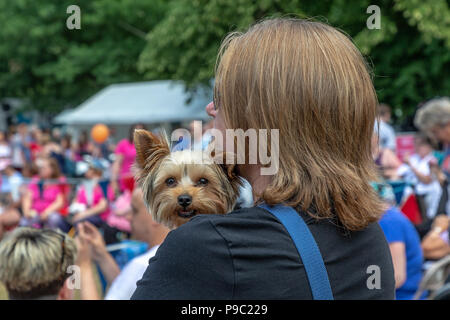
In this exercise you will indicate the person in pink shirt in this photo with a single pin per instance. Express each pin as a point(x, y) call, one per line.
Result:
point(44, 197)
point(122, 177)
point(90, 203)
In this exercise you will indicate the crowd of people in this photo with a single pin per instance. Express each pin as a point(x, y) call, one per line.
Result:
point(69, 188)
point(49, 180)
point(426, 174)
point(50, 183)
point(62, 202)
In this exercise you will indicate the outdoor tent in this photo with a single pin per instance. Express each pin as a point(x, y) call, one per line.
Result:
point(147, 102)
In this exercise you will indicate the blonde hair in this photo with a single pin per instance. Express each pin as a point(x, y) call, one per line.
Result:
point(33, 262)
point(308, 80)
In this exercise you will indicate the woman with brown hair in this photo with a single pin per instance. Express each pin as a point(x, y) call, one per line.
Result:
point(307, 80)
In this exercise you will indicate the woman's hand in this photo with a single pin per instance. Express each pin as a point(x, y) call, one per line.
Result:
point(84, 255)
point(433, 246)
point(44, 215)
point(84, 261)
point(30, 214)
point(55, 206)
point(89, 233)
point(79, 216)
point(441, 221)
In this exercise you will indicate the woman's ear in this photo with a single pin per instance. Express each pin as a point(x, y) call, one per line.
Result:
point(149, 148)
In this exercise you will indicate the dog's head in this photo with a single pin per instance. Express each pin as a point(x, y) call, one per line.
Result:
point(179, 185)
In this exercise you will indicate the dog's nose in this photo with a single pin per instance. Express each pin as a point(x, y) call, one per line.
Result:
point(184, 200)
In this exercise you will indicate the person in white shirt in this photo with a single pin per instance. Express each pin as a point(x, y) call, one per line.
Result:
point(91, 248)
point(386, 132)
point(417, 170)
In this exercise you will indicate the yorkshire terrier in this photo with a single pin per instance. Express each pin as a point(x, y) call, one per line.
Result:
point(182, 184)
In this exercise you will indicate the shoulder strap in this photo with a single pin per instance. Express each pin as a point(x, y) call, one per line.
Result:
point(307, 248)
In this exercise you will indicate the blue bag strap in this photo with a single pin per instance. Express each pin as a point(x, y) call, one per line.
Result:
point(307, 248)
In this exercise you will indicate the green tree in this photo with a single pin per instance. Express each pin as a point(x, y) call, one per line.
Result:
point(408, 54)
point(54, 67)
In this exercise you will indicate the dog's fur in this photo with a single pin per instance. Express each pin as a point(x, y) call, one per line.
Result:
point(164, 176)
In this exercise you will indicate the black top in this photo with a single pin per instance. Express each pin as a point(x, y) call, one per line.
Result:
point(248, 254)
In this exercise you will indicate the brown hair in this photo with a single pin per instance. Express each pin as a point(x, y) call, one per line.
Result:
point(54, 166)
point(308, 80)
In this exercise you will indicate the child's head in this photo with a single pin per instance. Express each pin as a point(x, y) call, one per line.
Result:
point(66, 142)
point(95, 170)
point(422, 145)
point(48, 168)
point(93, 173)
point(9, 170)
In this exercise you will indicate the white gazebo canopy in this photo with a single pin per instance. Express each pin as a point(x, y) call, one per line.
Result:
point(146, 102)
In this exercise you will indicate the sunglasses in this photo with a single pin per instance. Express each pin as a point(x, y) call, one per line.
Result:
point(63, 245)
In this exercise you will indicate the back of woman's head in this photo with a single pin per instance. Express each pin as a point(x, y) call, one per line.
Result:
point(33, 263)
point(308, 80)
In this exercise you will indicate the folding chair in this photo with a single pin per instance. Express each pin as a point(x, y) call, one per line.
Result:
point(434, 278)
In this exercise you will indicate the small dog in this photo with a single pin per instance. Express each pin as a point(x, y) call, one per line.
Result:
point(179, 185)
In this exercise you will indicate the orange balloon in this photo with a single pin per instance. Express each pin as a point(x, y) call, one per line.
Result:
point(100, 133)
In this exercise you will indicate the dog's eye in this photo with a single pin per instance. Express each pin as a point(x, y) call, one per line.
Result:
point(202, 182)
point(170, 182)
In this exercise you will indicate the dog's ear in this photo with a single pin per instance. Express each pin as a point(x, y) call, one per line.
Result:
point(149, 148)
